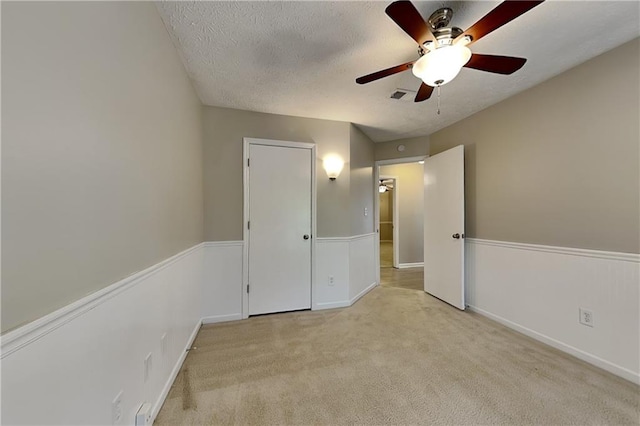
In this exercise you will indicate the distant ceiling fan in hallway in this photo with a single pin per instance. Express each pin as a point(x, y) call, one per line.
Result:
point(445, 50)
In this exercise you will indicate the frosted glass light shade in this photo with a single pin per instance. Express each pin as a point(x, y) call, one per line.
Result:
point(333, 166)
point(442, 65)
point(382, 189)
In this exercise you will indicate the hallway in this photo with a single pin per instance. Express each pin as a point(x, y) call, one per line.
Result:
point(408, 278)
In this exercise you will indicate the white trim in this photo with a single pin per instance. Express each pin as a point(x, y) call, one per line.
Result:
point(598, 362)
point(395, 206)
point(29, 333)
point(174, 373)
point(411, 265)
point(221, 318)
point(362, 293)
point(625, 257)
point(333, 305)
point(361, 236)
point(345, 239)
point(223, 243)
point(274, 142)
point(403, 160)
point(376, 207)
point(245, 209)
point(333, 239)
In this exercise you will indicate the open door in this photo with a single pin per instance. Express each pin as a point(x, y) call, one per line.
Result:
point(444, 226)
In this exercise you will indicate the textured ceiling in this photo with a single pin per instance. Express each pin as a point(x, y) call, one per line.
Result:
point(302, 58)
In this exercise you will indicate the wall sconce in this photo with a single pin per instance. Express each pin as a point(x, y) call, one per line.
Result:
point(333, 166)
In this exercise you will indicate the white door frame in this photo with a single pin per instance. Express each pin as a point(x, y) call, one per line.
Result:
point(245, 211)
point(396, 229)
point(376, 202)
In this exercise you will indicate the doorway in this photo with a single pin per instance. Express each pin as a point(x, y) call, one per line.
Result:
point(399, 221)
point(387, 190)
point(279, 208)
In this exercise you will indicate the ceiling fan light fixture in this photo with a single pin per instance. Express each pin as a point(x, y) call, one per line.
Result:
point(440, 66)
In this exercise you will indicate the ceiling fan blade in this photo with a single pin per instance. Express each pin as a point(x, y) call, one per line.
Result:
point(409, 19)
point(424, 93)
point(503, 14)
point(384, 73)
point(496, 64)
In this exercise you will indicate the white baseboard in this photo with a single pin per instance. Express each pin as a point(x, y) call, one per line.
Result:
point(332, 305)
point(174, 373)
point(363, 292)
point(221, 318)
point(584, 356)
point(411, 265)
point(539, 290)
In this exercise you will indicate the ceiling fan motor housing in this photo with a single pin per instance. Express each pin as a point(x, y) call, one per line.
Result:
point(444, 35)
point(440, 18)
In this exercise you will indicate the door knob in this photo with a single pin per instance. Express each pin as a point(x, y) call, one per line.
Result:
point(306, 237)
point(456, 236)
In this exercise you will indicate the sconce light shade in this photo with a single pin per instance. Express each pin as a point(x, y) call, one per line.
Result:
point(382, 189)
point(333, 166)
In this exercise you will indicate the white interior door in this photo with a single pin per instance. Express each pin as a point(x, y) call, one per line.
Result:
point(279, 259)
point(444, 226)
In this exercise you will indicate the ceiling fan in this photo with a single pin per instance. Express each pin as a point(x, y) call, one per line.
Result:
point(444, 50)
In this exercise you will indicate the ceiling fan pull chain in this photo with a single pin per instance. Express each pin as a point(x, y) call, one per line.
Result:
point(438, 99)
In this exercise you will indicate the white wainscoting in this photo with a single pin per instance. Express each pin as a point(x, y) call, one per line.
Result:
point(67, 367)
point(222, 286)
point(351, 262)
point(362, 265)
point(332, 260)
point(538, 290)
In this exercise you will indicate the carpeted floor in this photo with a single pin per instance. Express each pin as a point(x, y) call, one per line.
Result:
point(395, 357)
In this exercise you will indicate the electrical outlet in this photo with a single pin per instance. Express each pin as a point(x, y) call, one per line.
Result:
point(586, 317)
point(147, 366)
point(116, 409)
point(331, 280)
point(163, 344)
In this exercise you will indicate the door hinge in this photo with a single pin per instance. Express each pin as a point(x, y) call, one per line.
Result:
point(248, 162)
point(247, 288)
point(248, 224)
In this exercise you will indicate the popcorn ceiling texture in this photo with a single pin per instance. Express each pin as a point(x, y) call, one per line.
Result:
point(302, 58)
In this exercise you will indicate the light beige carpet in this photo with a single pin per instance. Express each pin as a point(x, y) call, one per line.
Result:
point(395, 357)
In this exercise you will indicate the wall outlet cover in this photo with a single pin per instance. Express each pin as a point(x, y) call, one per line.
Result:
point(586, 317)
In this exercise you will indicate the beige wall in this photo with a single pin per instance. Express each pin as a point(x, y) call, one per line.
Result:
point(362, 190)
point(558, 164)
point(410, 192)
point(224, 130)
point(386, 215)
point(413, 147)
point(101, 151)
